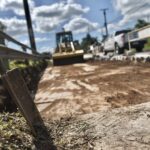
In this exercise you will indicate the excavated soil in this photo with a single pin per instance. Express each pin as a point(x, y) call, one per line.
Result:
point(91, 87)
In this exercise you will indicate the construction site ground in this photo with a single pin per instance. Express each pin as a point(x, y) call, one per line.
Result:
point(87, 107)
point(86, 88)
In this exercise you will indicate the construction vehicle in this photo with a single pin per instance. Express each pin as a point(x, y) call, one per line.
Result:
point(67, 51)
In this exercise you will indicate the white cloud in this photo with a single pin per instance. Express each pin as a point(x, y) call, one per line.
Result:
point(60, 10)
point(46, 49)
point(37, 40)
point(15, 5)
point(80, 25)
point(70, 1)
point(15, 26)
point(46, 18)
point(132, 10)
point(44, 25)
point(49, 17)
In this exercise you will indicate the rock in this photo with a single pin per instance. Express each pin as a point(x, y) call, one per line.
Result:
point(147, 59)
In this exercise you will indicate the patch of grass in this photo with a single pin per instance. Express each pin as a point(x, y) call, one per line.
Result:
point(14, 64)
point(14, 132)
point(21, 64)
point(147, 45)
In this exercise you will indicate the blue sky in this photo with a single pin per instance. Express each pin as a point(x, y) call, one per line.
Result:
point(49, 16)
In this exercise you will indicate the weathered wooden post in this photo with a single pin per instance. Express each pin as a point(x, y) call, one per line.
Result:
point(17, 88)
point(2, 67)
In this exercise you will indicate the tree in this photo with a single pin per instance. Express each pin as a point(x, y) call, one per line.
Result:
point(47, 54)
point(141, 23)
point(87, 41)
point(2, 26)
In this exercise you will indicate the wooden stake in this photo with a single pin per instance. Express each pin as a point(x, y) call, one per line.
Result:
point(18, 90)
point(2, 67)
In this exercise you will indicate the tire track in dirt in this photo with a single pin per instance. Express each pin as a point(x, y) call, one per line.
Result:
point(86, 88)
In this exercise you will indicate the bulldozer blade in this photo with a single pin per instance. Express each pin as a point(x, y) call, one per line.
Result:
point(68, 60)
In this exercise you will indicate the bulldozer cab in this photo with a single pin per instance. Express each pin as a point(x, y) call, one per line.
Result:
point(64, 37)
point(63, 41)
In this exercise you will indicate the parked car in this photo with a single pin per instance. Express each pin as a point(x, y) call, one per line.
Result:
point(117, 42)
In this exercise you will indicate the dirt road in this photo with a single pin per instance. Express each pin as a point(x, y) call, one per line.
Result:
point(91, 87)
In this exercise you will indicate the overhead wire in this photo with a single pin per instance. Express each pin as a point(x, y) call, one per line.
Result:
point(130, 11)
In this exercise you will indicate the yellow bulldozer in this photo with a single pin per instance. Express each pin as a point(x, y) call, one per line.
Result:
point(67, 51)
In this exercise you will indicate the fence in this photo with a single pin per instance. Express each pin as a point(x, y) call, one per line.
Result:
point(10, 53)
point(18, 90)
point(138, 35)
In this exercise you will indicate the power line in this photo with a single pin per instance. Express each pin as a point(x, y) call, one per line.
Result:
point(116, 19)
point(135, 9)
point(130, 11)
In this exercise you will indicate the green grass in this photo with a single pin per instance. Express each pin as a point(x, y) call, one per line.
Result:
point(13, 65)
point(147, 46)
point(14, 132)
point(21, 64)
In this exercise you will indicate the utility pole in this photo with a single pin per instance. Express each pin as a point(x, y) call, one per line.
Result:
point(105, 20)
point(29, 26)
point(102, 32)
point(88, 30)
point(148, 18)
